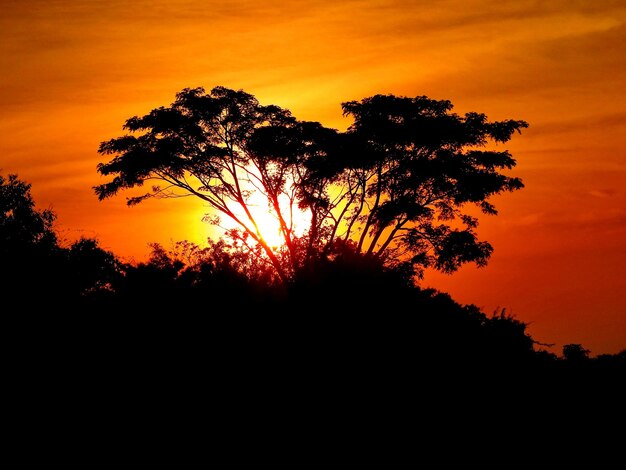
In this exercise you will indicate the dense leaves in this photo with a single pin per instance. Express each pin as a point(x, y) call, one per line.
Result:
point(399, 184)
point(20, 223)
point(35, 267)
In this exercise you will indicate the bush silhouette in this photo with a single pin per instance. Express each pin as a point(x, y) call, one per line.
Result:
point(344, 316)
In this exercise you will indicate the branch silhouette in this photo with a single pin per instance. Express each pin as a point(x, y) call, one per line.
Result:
point(398, 185)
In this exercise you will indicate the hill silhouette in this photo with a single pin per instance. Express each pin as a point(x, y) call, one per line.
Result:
point(344, 316)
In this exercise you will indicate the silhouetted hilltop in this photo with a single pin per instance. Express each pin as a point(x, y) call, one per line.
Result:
point(344, 315)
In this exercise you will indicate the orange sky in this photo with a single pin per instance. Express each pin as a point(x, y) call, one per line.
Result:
point(73, 71)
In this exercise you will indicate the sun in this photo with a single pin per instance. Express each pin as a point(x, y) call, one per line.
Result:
point(269, 226)
point(266, 218)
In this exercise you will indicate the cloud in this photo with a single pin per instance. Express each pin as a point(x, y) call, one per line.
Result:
point(577, 225)
point(602, 193)
point(607, 122)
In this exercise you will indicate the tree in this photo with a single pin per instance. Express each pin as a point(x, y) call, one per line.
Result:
point(395, 186)
point(32, 259)
point(89, 268)
point(28, 244)
point(21, 224)
point(575, 353)
point(426, 166)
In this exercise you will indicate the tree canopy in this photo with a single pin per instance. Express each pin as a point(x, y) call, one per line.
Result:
point(21, 224)
point(34, 263)
point(398, 185)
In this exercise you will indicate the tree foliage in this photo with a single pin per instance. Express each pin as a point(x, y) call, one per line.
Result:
point(398, 185)
point(33, 261)
point(21, 224)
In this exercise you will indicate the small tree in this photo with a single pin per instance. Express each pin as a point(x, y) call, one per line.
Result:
point(21, 224)
point(575, 353)
point(31, 258)
point(396, 185)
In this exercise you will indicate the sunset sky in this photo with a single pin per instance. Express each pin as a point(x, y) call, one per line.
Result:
point(74, 71)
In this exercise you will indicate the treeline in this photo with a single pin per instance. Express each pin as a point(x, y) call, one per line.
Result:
point(346, 311)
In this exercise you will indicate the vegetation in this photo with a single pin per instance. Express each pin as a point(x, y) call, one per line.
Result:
point(34, 265)
point(397, 186)
point(336, 300)
point(347, 314)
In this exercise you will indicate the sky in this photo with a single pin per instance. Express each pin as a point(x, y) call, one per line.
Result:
point(74, 71)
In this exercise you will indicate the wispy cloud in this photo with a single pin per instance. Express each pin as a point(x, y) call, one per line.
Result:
point(603, 123)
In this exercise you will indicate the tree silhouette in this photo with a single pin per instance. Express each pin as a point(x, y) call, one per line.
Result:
point(347, 316)
point(90, 268)
point(28, 244)
point(21, 224)
point(32, 260)
point(396, 185)
point(575, 353)
point(425, 166)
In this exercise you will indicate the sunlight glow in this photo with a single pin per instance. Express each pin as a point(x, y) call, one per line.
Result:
point(267, 220)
